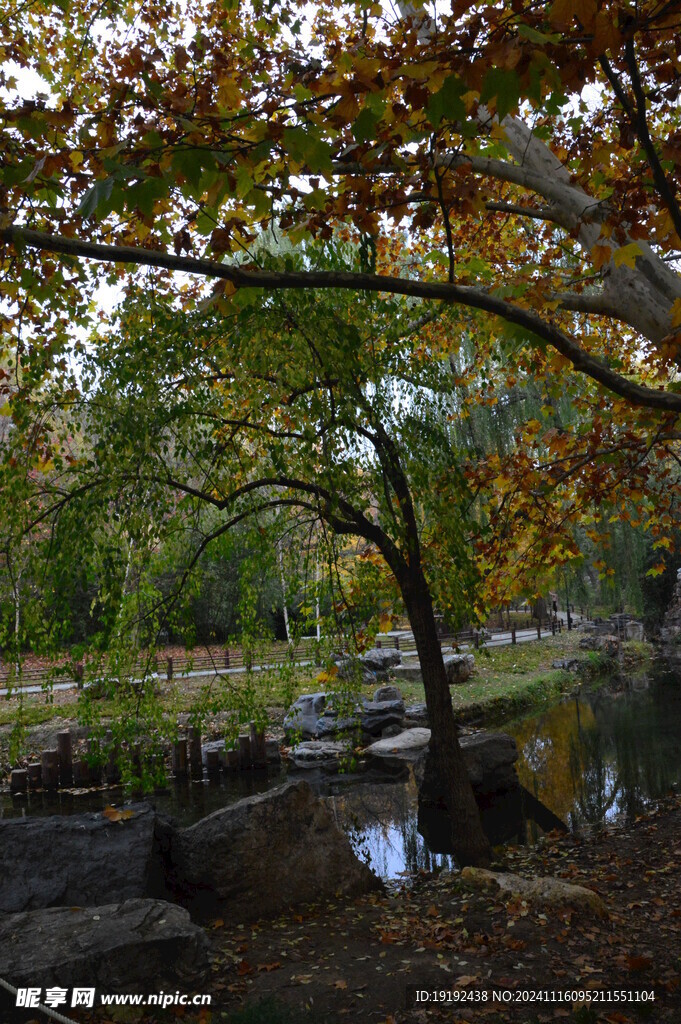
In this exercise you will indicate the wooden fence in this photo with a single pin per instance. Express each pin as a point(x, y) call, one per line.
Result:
point(234, 659)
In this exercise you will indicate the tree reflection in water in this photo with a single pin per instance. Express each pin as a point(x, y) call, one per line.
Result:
point(604, 754)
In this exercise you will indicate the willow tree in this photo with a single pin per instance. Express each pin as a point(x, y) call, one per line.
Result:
point(332, 408)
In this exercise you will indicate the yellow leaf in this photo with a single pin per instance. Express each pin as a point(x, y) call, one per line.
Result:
point(75, 159)
point(627, 255)
point(600, 254)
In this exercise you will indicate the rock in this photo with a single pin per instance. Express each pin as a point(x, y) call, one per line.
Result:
point(390, 730)
point(416, 715)
point(409, 670)
point(319, 754)
point(378, 715)
point(458, 667)
point(381, 659)
point(351, 670)
point(406, 746)
point(134, 946)
point(387, 693)
point(265, 854)
point(634, 631)
point(543, 893)
point(607, 644)
point(566, 664)
point(301, 719)
point(490, 758)
point(76, 860)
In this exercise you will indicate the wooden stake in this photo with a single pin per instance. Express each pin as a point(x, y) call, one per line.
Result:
point(65, 749)
point(49, 763)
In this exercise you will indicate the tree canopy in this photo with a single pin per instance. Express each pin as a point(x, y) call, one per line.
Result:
point(531, 150)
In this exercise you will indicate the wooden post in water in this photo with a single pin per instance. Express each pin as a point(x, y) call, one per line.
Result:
point(81, 773)
point(257, 738)
point(213, 763)
point(233, 759)
point(245, 758)
point(179, 759)
point(18, 781)
point(35, 775)
point(194, 744)
point(65, 758)
point(49, 763)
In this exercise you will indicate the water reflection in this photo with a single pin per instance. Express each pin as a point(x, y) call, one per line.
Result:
point(604, 754)
point(589, 759)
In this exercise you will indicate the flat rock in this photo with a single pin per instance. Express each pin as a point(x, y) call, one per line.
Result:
point(264, 855)
point(406, 746)
point(138, 945)
point(76, 860)
point(409, 671)
point(543, 893)
point(318, 754)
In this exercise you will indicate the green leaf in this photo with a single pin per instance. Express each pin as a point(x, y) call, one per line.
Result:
point(306, 147)
point(447, 102)
point(504, 86)
point(99, 193)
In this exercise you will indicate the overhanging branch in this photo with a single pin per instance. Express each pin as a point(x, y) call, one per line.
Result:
point(253, 277)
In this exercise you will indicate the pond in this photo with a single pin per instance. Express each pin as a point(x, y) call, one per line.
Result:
point(589, 759)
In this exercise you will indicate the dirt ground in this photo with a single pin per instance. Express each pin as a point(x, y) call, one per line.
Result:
point(355, 961)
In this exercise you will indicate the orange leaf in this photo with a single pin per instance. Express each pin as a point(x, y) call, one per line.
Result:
point(113, 814)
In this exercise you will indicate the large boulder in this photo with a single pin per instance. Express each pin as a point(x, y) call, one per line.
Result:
point(490, 760)
point(544, 893)
point(352, 670)
point(264, 855)
point(134, 946)
point(381, 659)
point(458, 667)
point(303, 715)
point(77, 860)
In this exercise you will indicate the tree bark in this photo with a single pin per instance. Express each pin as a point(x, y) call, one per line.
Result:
point(446, 774)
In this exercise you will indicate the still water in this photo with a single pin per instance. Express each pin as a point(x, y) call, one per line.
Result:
point(589, 759)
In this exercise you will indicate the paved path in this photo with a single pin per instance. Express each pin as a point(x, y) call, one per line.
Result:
point(405, 637)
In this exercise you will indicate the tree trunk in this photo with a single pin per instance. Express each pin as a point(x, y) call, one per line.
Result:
point(446, 771)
